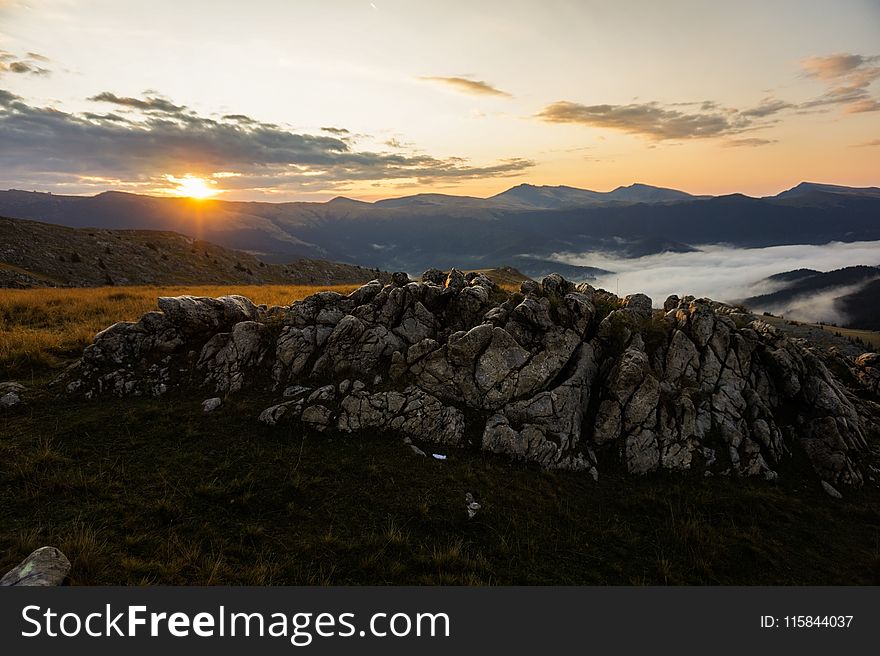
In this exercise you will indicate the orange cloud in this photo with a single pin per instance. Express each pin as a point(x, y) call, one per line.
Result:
point(467, 85)
point(848, 78)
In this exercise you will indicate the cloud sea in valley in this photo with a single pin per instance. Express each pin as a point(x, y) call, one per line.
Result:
point(729, 274)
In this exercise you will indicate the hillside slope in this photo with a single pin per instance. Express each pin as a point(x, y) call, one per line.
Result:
point(34, 254)
point(862, 307)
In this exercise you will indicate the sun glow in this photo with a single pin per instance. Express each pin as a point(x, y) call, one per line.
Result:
point(193, 187)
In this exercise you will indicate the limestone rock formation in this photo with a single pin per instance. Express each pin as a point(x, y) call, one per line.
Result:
point(556, 374)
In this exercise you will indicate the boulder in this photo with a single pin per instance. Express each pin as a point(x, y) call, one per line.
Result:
point(45, 567)
point(435, 276)
point(195, 314)
point(399, 278)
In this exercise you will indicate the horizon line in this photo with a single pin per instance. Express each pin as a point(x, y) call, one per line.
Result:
point(430, 193)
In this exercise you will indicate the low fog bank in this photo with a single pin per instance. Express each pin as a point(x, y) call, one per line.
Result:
point(814, 308)
point(731, 274)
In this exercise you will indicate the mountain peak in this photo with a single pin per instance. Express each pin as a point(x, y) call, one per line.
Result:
point(637, 185)
point(804, 188)
point(344, 200)
point(639, 192)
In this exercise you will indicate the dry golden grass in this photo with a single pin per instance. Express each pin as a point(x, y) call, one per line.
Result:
point(869, 337)
point(43, 328)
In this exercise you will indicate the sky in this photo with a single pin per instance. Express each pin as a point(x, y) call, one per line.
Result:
point(312, 99)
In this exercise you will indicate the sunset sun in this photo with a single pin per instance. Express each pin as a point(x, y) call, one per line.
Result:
point(193, 187)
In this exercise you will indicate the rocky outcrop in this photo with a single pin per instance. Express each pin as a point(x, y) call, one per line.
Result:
point(557, 374)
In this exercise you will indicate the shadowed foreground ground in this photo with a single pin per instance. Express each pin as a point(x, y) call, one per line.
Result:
point(155, 492)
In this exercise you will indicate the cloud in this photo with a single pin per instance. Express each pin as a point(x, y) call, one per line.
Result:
point(648, 119)
point(30, 64)
point(109, 116)
point(338, 131)
point(720, 272)
point(752, 142)
point(864, 105)
point(467, 85)
point(832, 67)
point(238, 118)
point(847, 76)
point(873, 142)
point(848, 79)
point(767, 107)
point(45, 147)
point(148, 104)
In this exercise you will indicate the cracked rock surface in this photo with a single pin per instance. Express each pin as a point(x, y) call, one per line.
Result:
point(558, 374)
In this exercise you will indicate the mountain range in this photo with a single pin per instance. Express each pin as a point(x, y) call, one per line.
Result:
point(525, 226)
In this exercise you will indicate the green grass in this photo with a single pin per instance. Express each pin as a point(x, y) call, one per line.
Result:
point(141, 491)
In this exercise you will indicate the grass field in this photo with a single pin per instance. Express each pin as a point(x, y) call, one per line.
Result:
point(870, 338)
point(825, 334)
point(43, 329)
point(144, 491)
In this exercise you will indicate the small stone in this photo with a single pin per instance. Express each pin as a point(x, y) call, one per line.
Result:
point(830, 490)
point(209, 405)
point(9, 400)
point(471, 505)
point(294, 391)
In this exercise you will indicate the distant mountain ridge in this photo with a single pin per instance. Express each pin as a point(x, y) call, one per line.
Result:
point(547, 197)
point(414, 233)
point(805, 188)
